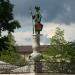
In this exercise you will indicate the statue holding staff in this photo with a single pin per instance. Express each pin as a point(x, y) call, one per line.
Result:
point(37, 19)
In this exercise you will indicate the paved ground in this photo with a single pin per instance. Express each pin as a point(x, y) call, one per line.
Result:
point(37, 74)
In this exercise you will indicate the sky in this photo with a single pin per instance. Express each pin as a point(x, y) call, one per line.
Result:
point(55, 13)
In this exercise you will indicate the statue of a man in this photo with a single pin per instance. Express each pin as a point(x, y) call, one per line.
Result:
point(37, 19)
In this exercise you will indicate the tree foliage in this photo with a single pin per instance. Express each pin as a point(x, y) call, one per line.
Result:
point(71, 50)
point(61, 51)
point(7, 42)
point(56, 50)
point(58, 38)
point(8, 50)
point(7, 21)
point(60, 48)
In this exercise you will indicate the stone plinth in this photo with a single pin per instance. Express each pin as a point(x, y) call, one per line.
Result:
point(36, 56)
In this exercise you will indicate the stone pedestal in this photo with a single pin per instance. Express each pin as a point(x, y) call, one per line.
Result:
point(36, 55)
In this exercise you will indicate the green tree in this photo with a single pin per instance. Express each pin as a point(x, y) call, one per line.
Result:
point(61, 50)
point(9, 42)
point(57, 46)
point(9, 51)
point(7, 21)
point(58, 38)
point(70, 49)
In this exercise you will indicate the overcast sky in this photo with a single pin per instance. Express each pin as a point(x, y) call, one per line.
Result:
point(55, 13)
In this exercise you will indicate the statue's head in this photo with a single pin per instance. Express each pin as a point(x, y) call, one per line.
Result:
point(37, 8)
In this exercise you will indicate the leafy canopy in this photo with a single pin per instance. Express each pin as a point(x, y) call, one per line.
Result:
point(7, 21)
point(57, 46)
